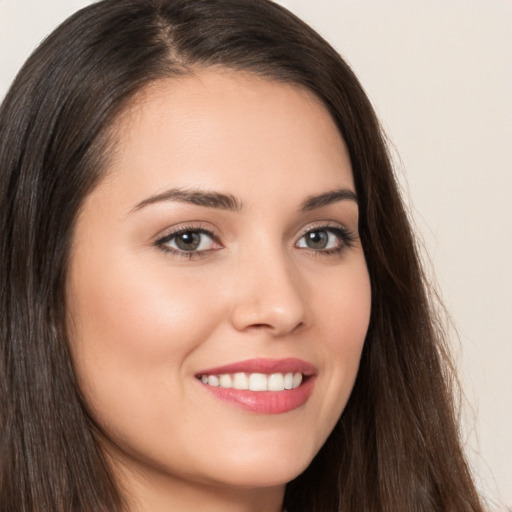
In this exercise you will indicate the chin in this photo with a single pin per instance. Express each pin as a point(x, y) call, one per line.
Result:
point(262, 477)
point(264, 467)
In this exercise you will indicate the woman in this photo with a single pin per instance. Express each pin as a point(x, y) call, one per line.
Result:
point(211, 297)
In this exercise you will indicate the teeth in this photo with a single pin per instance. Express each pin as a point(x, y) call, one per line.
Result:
point(240, 381)
point(276, 382)
point(258, 382)
point(255, 381)
point(225, 381)
point(212, 380)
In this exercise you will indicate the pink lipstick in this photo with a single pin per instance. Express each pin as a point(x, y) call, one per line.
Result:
point(263, 386)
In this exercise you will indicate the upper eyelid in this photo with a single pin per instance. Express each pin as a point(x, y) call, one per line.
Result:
point(322, 224)
point(333, 225)
point(204, 228)
point(174, 231)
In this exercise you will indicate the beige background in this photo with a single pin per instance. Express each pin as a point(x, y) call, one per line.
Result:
point(439, 73)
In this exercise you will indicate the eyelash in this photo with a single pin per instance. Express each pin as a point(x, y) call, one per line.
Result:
point(346, 237)
point(161, 242)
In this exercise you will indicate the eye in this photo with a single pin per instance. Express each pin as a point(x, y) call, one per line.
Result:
point(188, 241)
point(326, 239)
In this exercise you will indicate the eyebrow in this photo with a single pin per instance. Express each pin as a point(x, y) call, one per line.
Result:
point(341, 194)
point(231, 203)
point(197, 197)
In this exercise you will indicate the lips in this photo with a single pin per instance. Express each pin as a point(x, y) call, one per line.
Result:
point(264, 386)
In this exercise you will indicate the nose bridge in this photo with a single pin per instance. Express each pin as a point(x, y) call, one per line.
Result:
point(269, 294)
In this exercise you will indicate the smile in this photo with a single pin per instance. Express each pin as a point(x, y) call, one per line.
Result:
point(254, 381)
point(262, 386)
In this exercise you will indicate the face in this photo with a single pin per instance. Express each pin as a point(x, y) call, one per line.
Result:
point(218, 296)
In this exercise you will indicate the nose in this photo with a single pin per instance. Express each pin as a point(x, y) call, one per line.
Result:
point(269, 296)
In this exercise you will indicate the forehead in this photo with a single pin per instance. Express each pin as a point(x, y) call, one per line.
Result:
point(219, 128)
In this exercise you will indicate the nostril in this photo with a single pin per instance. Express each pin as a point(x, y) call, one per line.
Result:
point(277, 328)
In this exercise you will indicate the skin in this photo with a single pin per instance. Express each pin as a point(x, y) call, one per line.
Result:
point(143, 321)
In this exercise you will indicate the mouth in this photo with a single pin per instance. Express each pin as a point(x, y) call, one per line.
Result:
point(264, 386)
point(254, 381)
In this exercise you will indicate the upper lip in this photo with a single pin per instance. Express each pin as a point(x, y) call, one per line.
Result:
point(266, 366)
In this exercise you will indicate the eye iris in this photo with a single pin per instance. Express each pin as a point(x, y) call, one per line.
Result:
point(188, 241)
point(317, 239)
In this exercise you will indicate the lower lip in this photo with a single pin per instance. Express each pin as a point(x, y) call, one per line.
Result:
point(265, 402)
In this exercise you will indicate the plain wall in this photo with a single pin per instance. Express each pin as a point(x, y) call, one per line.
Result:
point(440, 76)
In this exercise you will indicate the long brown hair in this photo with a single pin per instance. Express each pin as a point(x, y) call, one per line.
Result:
point(395, 447)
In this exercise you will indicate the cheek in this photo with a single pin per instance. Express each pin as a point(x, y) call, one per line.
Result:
point(346, 311)
point(345, 320)
point(135, 309)
point(133, 327)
